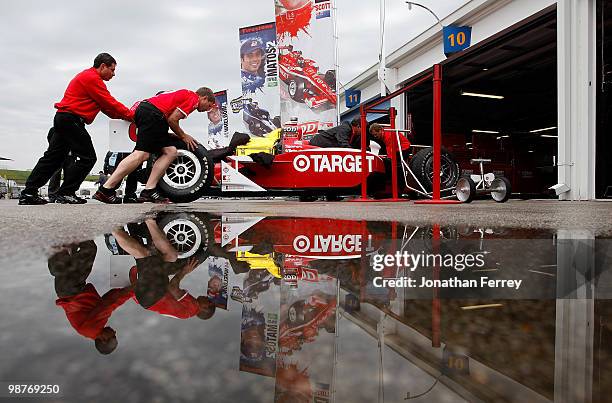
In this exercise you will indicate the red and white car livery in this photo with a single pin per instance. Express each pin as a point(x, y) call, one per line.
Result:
point(305, 84)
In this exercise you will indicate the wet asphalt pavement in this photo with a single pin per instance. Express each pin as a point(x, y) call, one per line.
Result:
point(214, 302)
point(31, 230)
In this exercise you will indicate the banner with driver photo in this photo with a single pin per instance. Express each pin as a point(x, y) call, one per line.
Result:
point(259, 75)
point(218, 126)
point(307, 60)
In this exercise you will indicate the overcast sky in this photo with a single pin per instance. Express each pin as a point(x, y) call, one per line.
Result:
point(159, 45)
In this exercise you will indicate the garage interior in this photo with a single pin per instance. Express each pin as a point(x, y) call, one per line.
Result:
point(499, 103)
point(603, 170)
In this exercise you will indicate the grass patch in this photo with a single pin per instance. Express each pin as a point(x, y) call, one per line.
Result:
point(21, 176)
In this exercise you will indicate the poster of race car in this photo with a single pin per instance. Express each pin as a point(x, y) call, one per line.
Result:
point(218, 272)
point(307, 60)
point(259, 324)
point(218, 126)
point(259, 74)
point(306, 341)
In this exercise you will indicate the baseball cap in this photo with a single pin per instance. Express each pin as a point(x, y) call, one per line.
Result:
point(251, 45)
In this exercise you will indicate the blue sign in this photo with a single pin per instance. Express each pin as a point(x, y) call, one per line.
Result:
point(456, 39)
point(352, 98)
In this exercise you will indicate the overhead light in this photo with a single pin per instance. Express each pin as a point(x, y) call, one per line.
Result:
point(544, 130)
point(485, 131)
point(476, 94)
point(505, 136)
point(485, 69)
point(548, 136)
point(531, 151)
point(468, 144)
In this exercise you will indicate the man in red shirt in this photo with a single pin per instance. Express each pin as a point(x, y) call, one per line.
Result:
point(85, 96)
point(149, 277)
point(389, 139)
point(153, 117)
point(86, 310)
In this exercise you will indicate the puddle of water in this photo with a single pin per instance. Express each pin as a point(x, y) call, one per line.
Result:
point(196, 307)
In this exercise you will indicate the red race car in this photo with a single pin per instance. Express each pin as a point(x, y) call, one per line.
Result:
point(304, 82)
point(282, 163)
point(290, 166)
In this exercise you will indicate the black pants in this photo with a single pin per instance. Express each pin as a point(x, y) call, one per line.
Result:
point(131, 183)
point(69, 136)
point(71, 267)
point(54, 182)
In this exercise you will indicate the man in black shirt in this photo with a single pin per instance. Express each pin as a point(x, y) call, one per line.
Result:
point(339, 136)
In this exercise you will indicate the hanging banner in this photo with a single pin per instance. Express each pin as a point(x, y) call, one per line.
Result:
point(259, 326)
point(218, 128)
point(304, 363)
point(305, 37)
point(259, 73)
point(218, 271)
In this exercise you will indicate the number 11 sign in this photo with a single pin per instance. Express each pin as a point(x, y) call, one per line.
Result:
point(456, 39)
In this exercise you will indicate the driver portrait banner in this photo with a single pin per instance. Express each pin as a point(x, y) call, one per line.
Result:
point(307, 61)
point(259, 75)
point(218, 126)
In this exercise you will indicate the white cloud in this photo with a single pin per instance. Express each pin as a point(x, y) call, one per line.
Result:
point(158, 45)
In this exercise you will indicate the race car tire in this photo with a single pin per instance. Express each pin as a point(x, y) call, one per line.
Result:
point(189, 176)
point(465, 190)
point(501, 189)
point(277, 121)
point(296, 90)
point(330, 324)
point(188, 234)
point(422, 166)
point(330, 79)
point(307, 198)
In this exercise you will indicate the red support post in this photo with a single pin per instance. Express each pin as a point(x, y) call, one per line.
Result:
point(393, 155)
point(364, 147)
point(435, 301)
point(437, 139)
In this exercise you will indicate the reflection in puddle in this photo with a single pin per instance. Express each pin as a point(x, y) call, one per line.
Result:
point(195, 307)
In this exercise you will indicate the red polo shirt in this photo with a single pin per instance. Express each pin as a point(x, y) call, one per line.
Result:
point(88, 313)
point(183, 308)
point(87, 95)
point(184, 100)
point(390, 140)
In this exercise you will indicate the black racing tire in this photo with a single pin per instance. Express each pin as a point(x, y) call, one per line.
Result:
point(330, 79)
point(465, 190)
point(189, 176)
point(277, 122)
point(422, 166)
point(330, 324)
point(296, 88)
point(308, 198)
point(501, 189)
point(189, 234)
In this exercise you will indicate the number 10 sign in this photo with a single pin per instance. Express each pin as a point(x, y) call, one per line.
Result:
point(456, 39)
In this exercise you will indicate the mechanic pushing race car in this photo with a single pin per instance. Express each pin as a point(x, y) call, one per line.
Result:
point(154, 117)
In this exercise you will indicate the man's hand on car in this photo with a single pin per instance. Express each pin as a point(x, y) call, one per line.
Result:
point(192, 143)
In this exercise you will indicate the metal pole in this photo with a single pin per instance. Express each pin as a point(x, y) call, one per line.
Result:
point(437, 128)
point(394, 149)
point(435, 301)
point(437, 139)
point(336, 50)
point(382, 57)
point(364, 169)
